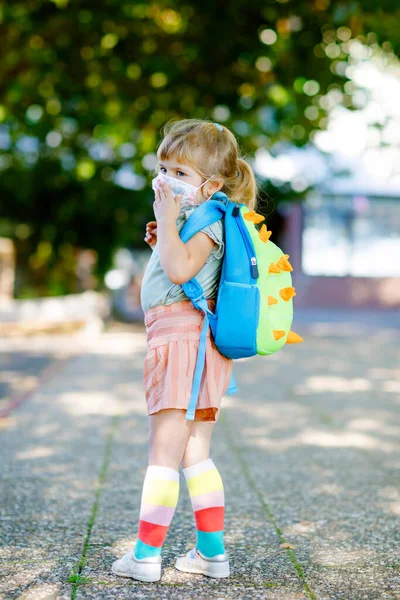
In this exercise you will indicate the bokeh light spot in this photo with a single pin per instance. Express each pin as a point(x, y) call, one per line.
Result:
point(158, 80)
point(268, 36)
point(85, 169)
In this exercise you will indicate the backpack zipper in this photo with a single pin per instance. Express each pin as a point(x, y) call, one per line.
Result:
point(249, 247)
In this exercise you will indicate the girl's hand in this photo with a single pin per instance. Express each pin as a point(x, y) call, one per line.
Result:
point(165, 206)
point(151, 233)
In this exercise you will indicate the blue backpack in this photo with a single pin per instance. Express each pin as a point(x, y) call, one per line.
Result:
point(255, 289)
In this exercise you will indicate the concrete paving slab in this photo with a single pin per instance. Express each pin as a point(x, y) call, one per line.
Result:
point(308, 451)
point(257, 562)
point(53, 448)
point(325, 464)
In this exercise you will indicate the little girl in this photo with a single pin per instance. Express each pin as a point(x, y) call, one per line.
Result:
point(196, 159)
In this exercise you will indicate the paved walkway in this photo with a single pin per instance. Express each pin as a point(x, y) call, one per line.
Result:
point(308, 452)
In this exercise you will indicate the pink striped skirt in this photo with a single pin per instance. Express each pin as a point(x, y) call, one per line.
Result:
point(173, 335)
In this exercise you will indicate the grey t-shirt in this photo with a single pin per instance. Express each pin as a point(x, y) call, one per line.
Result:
point(157, 289)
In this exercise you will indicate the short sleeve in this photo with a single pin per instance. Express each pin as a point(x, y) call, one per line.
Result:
point(216, 232)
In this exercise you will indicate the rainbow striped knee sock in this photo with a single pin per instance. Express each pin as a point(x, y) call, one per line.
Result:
point(159, 499)
point(208, 501)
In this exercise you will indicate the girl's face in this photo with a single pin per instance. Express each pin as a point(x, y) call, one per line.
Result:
point(180, 171)
point(184, 173)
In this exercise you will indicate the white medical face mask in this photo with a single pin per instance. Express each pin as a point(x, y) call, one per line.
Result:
point(187, 190)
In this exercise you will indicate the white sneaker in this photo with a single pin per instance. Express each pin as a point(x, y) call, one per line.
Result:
point(195, 562)
point(143, 569)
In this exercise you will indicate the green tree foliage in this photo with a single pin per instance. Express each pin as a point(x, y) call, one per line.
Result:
point(85, 88)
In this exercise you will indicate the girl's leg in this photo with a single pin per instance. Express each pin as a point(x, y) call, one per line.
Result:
point(198, 443)
point(168, 436)
point(205, 489)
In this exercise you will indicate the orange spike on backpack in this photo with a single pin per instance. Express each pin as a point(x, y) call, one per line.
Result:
point(273, 268)
point(264, 234)
point(287, 293)
point(278, 334)
point(293, 338)
point(253, 216)
point(284, 264)
point(272, 300)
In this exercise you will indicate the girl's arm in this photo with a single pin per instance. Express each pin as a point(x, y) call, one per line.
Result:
point(180, 262)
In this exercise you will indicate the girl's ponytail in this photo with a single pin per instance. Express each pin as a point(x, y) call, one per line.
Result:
point(244, 187)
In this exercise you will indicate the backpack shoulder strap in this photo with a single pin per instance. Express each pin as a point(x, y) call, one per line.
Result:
point(206, 214)
point(201, 355)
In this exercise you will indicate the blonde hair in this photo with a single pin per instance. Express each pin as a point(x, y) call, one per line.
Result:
point(210, 150)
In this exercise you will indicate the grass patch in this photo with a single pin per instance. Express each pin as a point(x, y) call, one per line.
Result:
point(78, 579)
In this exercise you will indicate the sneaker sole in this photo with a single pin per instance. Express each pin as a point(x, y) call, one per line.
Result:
point(203, 572)
point(148, 578)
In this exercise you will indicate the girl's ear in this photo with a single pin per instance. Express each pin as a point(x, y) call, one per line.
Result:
point(212, 187)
